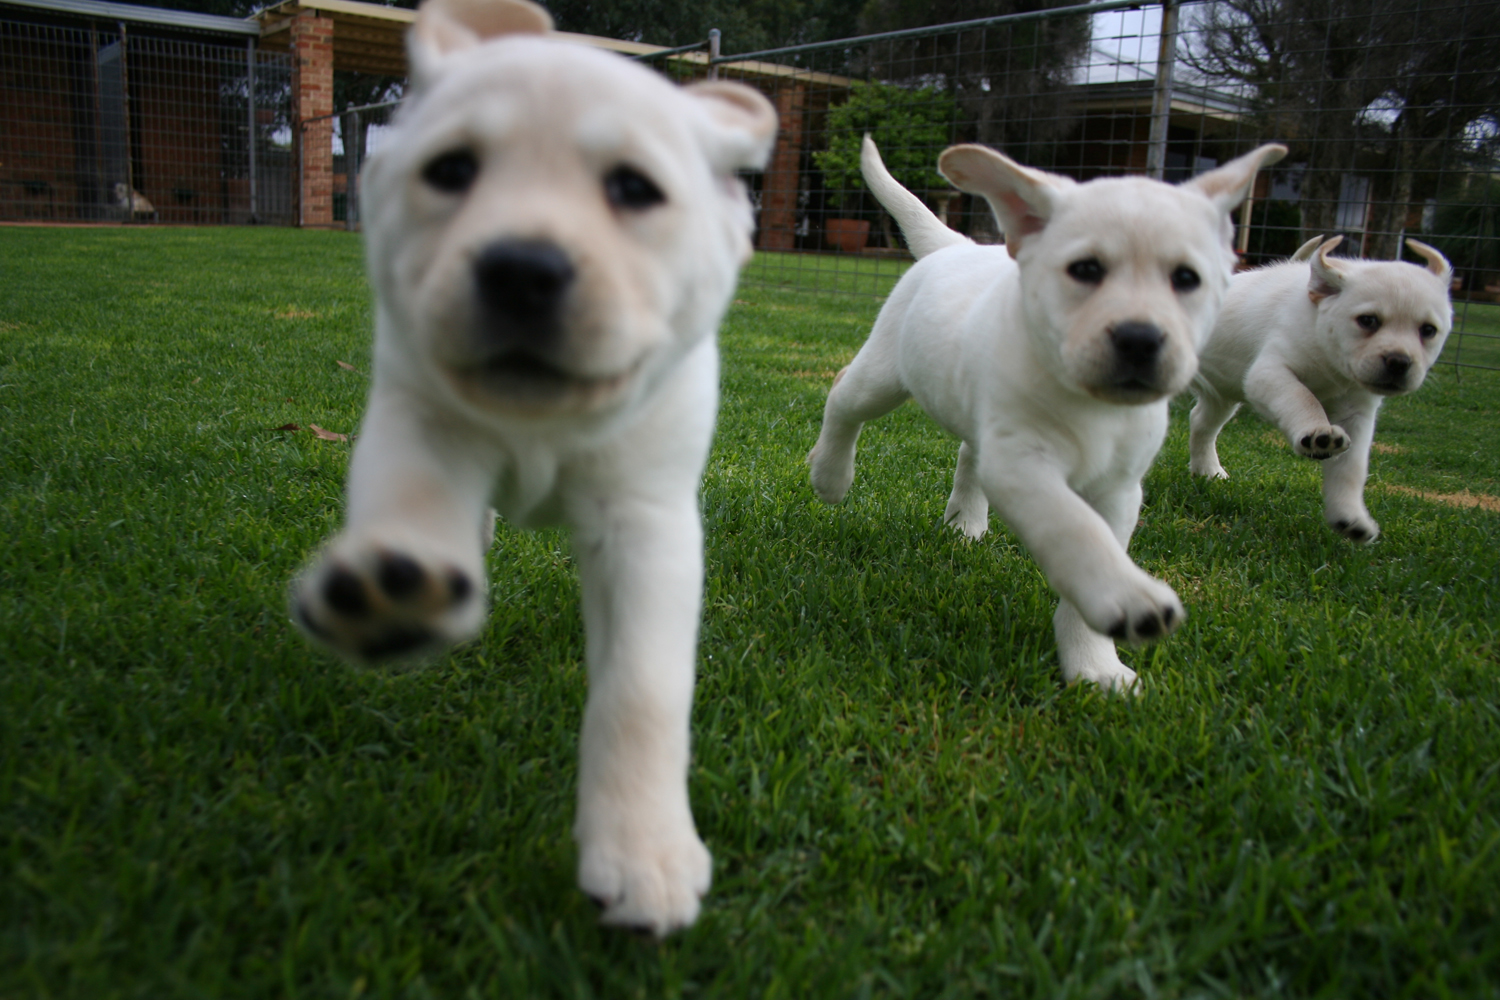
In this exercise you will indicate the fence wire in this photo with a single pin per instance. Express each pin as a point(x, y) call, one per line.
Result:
point(110, 122)
point(1391, 109)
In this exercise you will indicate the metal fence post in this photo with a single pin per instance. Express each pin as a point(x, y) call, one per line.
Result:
point(250, 121)
point(125, 101)
point(1161, 94)
point(351, 170)
point(713, 53)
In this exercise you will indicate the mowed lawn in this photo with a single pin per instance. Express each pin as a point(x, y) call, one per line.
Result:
point(901, 797)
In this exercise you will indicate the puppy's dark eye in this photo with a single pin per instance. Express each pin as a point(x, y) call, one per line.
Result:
point(1185, 279)
point(1427, 330)
point(627, 187)
point(1368, 322)
point(452, 173)
point(1089, 271)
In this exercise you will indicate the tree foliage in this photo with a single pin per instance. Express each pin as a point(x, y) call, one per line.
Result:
point(911, 127)
point(1397, 90)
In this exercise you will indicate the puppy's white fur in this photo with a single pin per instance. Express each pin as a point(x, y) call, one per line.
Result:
point(1315, 344)
point(545, 342)
point(1044, 376)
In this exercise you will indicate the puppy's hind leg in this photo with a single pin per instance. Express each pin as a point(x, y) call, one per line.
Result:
point(870, 387)
point(1210, 413)
point(968, 508)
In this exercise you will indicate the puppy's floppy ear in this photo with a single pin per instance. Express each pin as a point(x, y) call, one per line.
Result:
point(444, 27)
point(1230, 184)
point(1305, 251)
point(1436, 262)
point(742, 124)
point(1326, 278)
point(1023, 199)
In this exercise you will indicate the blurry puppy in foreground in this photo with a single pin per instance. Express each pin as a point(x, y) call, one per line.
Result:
point(1052, 359)
point(1315, 344)
point(553, 235)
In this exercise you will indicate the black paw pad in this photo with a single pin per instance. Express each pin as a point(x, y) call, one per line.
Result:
point(399, 575)
point(599, 901)
point(1148, 628)
point(1324, 440)
point(1118, 631)
point(1338, 441)
point(459, 586)
point(1357, 534)
point(299, 609)
point(1307, 441)
point(345, 594)
point(1169, 616)
point(395, 642)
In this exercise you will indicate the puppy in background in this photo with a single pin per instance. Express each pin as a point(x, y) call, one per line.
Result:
point(1315, 344)
point(553, 234)
point(1052, 359)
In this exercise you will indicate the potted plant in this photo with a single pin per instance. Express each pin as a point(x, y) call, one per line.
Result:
point(911, 127)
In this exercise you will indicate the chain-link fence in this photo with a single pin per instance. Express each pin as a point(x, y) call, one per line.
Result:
point(1391, 109)
point(108, 122)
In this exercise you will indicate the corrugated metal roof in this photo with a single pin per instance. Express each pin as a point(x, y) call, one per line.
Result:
point(142, 15)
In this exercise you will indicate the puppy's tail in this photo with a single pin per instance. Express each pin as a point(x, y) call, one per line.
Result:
point(924, 233)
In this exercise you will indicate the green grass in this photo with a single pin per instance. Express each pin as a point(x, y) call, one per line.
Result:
point(901, 797)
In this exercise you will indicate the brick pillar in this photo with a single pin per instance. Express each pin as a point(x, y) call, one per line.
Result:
point(778, 205)
point(312, 97)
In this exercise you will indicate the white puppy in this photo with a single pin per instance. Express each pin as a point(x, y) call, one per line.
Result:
point(554, 233)
point(1052, 358)
point(1315, 344)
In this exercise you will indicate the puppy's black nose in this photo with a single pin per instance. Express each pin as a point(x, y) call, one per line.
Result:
point(1396, 366)
point(1137, 343)
point(522, 284)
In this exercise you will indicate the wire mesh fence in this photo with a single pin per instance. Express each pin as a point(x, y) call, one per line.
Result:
point(106, 123)
point(1391, 110)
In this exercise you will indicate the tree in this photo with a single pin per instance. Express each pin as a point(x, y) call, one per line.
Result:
point(911, 127)
point(1009, 81)
point(1389, 89)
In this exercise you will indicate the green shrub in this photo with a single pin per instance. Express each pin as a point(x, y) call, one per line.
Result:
point(910, 126)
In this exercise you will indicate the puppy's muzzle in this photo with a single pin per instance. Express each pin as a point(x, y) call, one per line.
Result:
point(522, 285)
point(1138, 349)
point(1393, 370)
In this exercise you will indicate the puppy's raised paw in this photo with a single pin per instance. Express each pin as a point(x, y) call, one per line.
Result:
point(1321, 442)
point(1145, 612)
point(650, 885)
point(373, 603)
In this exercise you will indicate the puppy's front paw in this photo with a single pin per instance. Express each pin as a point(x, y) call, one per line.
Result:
point(1321, 442)
point(1355, 527)
point(832, 473)
point(968, 515)
point(1114, 677)
point(646, 880)
point(1144, 611)
point(1208, 467)
point(376, 602)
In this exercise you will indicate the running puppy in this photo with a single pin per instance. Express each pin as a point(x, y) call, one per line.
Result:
point(1052, 358)
point(554, 233)
point(1315, 344)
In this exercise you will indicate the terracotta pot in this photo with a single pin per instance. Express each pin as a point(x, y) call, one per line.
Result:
point(848, 235)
